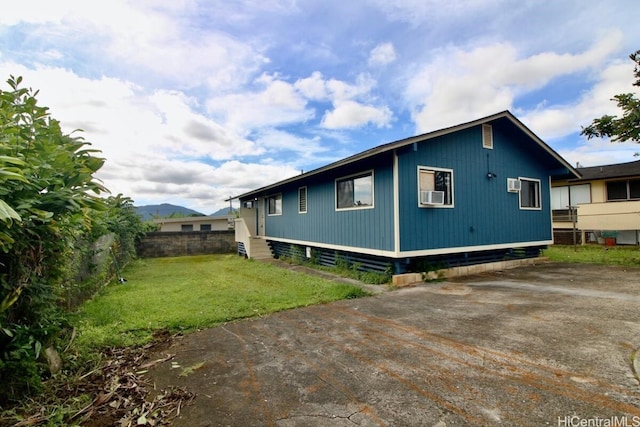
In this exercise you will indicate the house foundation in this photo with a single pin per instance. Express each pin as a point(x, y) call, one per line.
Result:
point(409, 279)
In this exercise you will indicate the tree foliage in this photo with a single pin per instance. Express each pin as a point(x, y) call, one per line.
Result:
point(627, 127)
point(49, 199)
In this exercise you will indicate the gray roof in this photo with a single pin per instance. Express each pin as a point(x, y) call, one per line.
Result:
point(408, 141)
point(619, 170)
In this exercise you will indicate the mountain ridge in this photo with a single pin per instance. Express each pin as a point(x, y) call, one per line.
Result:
point(164, 210)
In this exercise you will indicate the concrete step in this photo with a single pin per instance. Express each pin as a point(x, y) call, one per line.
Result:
point(260, 249)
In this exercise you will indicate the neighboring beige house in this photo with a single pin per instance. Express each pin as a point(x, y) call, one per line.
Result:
point(196, 223)
point(607, 202)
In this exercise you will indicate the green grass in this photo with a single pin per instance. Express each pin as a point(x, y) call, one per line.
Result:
point(188, 293)
point(595, 254)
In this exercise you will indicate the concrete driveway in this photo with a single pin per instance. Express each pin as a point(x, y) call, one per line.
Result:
point(552, 344)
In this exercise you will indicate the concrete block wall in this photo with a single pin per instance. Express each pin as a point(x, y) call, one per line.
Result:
point(168, 244)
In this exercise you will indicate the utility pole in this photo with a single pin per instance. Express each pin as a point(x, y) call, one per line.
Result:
point(573, 211)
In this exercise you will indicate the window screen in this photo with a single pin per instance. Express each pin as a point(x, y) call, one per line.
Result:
point(580, 194)
point(355, 192)
point(275, 205)
point(530, 194)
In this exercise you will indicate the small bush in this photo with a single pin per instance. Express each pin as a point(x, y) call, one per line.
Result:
point(342, 264)
point(298, 255)
point(374, 278)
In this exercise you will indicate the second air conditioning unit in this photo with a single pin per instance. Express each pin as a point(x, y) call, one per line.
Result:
point(432, 198)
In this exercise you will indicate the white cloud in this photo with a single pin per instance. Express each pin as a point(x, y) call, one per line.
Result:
point(352, 103)
point(560, 120)
point(145, 41)
point(382, 54)
point(200, 186)
point(340, 91)
point(190, 133)
point(463, 85)
point(601, 152)
point(317, 88)
point(36, 11)
point(244, 177)
point(306, 149)
point(280, 103)
point(351, 114)
point(537, 70)
point(277, 103)
point(420, 11)
point(313, 87)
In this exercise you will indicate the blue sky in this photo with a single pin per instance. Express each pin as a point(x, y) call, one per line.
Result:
point(193, 101)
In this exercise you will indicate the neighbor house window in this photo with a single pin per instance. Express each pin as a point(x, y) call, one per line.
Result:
point(355, 192)
point(205, 227)
point(567, 197)
point(623, 190)
point(186, 227)
point(530, 193)
point(302, 200)
point(570, 195)
point(275, 204)
point(435, 180)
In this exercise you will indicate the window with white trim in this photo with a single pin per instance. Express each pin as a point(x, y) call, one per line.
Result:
point(274, 204)
point(355, 192)
point(438, 181)
point(302, 200)
point(530, 193)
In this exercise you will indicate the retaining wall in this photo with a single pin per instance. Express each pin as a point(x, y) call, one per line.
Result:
point(179, 243)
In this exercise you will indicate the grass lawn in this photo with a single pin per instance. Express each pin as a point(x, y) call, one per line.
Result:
point(187, 293)
point(595, 254)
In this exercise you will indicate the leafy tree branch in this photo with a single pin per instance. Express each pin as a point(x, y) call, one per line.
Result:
point(626, 127)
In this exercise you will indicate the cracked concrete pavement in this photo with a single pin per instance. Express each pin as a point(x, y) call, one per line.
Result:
point(527, 347)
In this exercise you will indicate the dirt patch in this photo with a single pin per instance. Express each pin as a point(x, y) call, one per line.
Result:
point(122, 394)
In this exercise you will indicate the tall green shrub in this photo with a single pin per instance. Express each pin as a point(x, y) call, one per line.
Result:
point(47, 199)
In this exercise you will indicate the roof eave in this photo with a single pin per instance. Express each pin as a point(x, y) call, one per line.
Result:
point(408, 141)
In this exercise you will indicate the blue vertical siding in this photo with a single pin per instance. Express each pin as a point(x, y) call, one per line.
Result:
point(484, 213)
point(362, 228)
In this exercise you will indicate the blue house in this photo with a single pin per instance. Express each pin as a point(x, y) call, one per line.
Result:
point(471, 193)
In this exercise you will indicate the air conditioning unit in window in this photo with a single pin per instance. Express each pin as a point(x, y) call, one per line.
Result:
point(513, 185)
point(432, 198)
